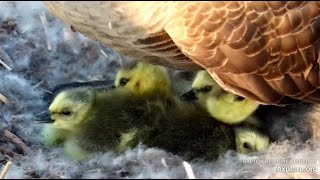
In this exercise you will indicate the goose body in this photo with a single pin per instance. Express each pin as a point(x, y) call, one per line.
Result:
point(264, 50)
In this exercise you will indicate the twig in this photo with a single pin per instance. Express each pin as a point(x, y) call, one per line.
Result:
point(5, 170)
point(7, 152)
point(5, 57)
point(104, 53)
point(38, 84)
point(189, 170)
point(4, 99)
point(5, 65)
point(47, 91)
point(15, 139)
point(94, 170)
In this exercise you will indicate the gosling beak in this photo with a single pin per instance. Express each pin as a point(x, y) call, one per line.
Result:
point(44, 117)
point(189, 96)
point(105, 84)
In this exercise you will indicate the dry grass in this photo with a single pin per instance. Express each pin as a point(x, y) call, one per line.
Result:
point(5, 170)
point(4, 99)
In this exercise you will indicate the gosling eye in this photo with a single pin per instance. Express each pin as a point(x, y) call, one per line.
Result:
point(123, 81)
point(239, 98)
point(117, 135)
point(247, 145)
point(66, 113)
point(206, 89)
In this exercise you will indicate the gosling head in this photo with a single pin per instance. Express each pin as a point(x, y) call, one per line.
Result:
point(71, 107)
point(203, 87)
point(144, 79)
point(249, 140)
point(226, 107)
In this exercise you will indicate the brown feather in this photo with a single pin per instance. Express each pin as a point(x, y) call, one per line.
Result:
point(265, 50)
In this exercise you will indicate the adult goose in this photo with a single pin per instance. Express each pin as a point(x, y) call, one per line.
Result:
point(265, 50)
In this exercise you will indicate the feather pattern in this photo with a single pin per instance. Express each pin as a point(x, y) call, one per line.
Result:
point(263, 50)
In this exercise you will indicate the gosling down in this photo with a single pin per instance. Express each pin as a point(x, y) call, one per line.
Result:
point(226, 107)
point(156, 81)
point(89, 121)
point(145, 79)
point(249, 139)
